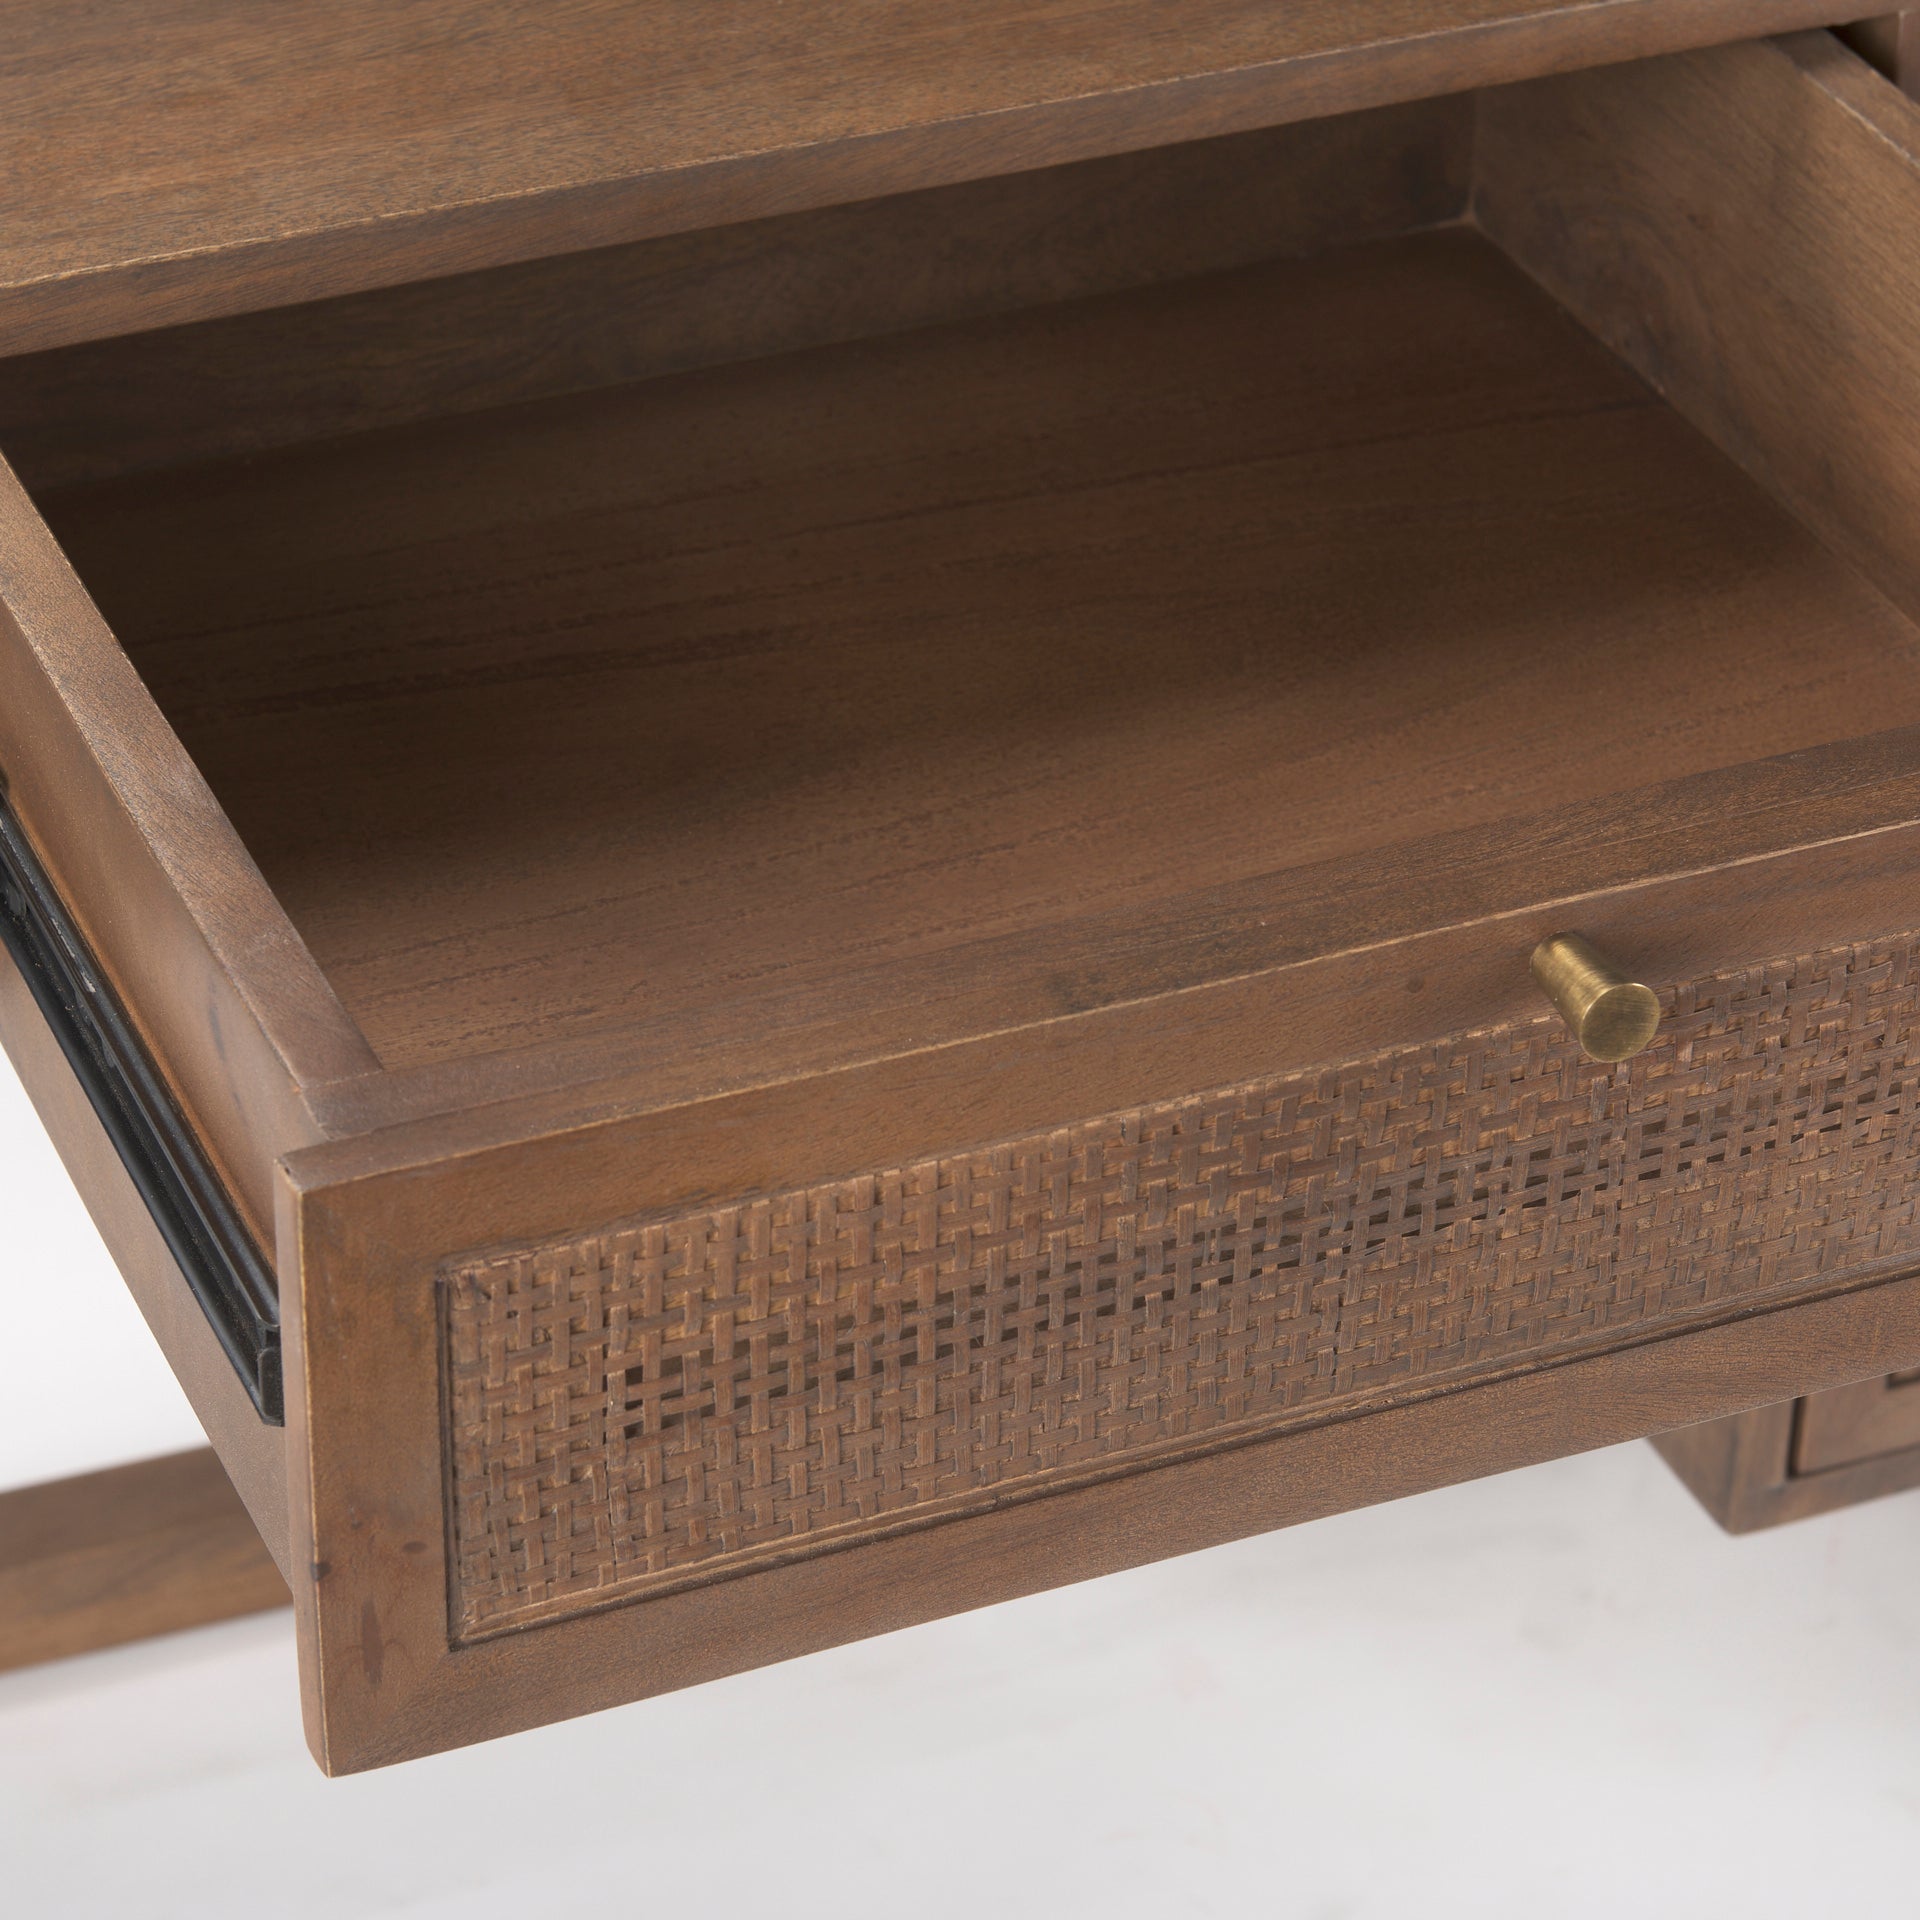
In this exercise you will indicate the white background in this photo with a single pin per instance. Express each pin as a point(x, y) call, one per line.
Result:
point(1558, 1693)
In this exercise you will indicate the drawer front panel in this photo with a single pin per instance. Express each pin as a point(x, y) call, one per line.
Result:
point(1869, 1421)
point(666, 1401)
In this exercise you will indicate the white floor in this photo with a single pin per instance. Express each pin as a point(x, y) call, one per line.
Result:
point(1559, 1693)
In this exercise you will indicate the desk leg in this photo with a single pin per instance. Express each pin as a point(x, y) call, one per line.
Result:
point(135, 1551)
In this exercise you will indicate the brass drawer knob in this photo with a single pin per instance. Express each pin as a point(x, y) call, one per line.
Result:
point(1613, 1017)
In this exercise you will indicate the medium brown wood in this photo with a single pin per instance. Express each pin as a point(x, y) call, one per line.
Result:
point(800, 694)
point(508, 1171)
point(706, 795)
point(373, 1618)
point(254, 1454)
point(1890, 44)
point(689, 300)
point(228, 1000)
point(1743, 1469)
point(1303, 967)
point(168, 160)
point(1733, 223)
point(1848, 1425)
point(104, 1558)
point(1738, 1468)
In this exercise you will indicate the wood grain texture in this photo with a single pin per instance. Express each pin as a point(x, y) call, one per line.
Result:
point(801, 698)
point(254, 1453)
point(139, 1550)
point(1734, 223)
point(1684, 877)
point(226, 998)
point(734, 293)
point(168, 160)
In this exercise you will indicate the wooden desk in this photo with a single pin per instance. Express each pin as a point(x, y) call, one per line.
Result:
point(778, 798)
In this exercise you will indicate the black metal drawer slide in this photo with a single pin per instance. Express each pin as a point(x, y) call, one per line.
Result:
point(224, 1267)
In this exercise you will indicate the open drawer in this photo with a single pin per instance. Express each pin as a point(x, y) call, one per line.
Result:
point(847, 902)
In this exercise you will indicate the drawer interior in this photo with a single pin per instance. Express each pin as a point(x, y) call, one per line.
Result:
point(817, 690)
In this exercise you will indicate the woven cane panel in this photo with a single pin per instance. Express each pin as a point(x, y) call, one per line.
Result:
point(670, 1399)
